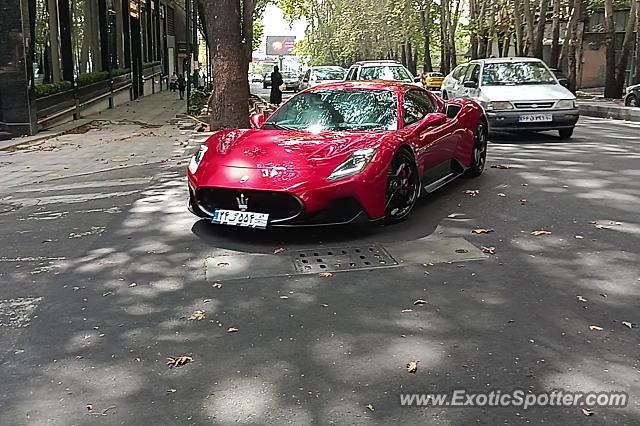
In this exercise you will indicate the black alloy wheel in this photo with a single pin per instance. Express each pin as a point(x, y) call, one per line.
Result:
point(403, 187)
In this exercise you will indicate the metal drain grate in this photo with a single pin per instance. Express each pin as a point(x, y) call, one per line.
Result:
point(341, 259)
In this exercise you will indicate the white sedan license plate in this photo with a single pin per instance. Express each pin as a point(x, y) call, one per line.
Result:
point(237, 218)
point(536, 118)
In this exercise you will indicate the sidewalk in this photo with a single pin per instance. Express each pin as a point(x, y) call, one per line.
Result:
point(156, 109)
point(592, 103)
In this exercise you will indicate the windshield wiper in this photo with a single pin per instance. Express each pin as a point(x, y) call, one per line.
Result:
point(277, 126)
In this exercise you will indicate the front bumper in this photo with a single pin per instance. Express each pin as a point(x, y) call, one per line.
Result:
point(510, 120)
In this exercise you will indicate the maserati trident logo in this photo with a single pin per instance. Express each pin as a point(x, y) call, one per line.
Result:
point(243, 202)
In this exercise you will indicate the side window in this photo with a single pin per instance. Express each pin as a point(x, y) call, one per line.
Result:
point(352, 74)
point(473, 73)
point(416, 105)
point(307, 75)
point(459, 73)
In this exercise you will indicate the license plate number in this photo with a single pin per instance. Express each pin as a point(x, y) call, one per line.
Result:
point(536, 118)
point(238, 218)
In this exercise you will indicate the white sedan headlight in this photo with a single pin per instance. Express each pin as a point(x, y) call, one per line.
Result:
point(354, 164)
point(196, 159)
point(498, 106)
point(566, 104)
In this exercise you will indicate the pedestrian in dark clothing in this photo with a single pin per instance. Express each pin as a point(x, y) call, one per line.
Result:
point(276, 82)
point(172, 82)
point(181, 86)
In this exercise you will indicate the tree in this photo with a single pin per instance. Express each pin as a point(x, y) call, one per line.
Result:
point(229, 26)
point(555, 35)
point(625, 52)
point(636, 73)
point(610, 50)
point(539, 33)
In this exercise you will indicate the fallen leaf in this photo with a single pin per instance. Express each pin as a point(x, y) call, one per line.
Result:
point(278, 250)
point(603, 295)
point(284, 297)
point(599, 226)
point(500, 194)
point(324, 305)
point(481, 231)
point(523, 201)
point(171, 390)
point(540, 232)
point(406, 310)
point(627, 324)
point(579, 237)
point(412, 366)
point(580, 298)
point(472, 192)
point(595, 328)
point(178, 361)
point(216, 285)
point(420, 302)
point(133, 285)
point(370, 407)
point(489, 250)
point(232, 330)
point(587, 412)
point(500, 166)
point(90, 407)
point(223, 264)
point(325, 274)
point(197, 316)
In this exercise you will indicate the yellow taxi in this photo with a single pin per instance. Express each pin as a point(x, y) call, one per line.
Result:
point(432, 80)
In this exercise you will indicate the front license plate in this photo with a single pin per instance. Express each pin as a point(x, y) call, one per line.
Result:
point(237, 218)
point(536, 118)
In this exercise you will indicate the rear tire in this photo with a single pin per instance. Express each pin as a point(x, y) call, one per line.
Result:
point(403, 187)
point(479, 158)
point(631, 101)
point(565, 133)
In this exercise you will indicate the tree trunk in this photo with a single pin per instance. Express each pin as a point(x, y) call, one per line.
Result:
point(403, 54)
point(610, 51)
point(636, 74)
point(571, 48)
point(539, 35)
point(627, 47)
point(567, 36)
point(517, 21)
point(555, 35)
point(473, 21)
point(444, 39)
point(506, 45)
point(529, 26)
point(229, 104)
point(426, 25)
point(453, 62)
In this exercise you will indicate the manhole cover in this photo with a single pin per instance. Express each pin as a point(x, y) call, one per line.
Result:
point(341, 259)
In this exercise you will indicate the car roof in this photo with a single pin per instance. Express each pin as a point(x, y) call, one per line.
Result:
point(506, 60)
point(392, 86)
point(330, 67)
point(378, 63)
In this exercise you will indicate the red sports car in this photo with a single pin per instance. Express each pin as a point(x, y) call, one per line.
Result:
point(335, 154)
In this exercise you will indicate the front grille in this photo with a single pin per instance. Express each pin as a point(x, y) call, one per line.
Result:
point(279, 205)
point(533, 105)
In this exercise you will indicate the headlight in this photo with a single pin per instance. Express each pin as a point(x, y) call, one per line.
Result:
point(354, 164)
point(196, 159)
point(499, 106)
point(566, 104)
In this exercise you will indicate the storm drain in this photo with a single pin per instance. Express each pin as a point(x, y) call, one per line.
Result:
point(341, 259)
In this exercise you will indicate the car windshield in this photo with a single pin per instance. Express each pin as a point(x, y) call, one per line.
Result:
point(349, 110)
point(385, 72)
point(289, 75)
point(328, 74)
point(516, 73)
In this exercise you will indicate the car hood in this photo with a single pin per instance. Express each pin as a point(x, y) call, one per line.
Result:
point(532, 92)
point(284, 149)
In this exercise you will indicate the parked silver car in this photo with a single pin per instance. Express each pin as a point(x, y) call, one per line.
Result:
point(321, 75)
point(380, 70)
point(517, 94)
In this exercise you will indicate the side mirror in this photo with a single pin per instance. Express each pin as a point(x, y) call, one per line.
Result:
point(564, 82)
point(470, 84)
point(257, 120)
point(432, 119)
point(417, 80)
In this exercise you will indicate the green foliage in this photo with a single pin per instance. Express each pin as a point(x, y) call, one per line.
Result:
point(258, 32)
point(92, 77)
point(119, 71)
point(198, 100)
point(43, 90)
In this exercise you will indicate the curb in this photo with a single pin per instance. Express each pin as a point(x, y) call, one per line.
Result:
point(612, 112)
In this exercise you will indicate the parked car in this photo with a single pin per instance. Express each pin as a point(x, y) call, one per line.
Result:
point(519, 94)
point(256, 78)
point(380, 70)
point(562, 79)
point(291, 81)
point(432, 80)
point(337, 153)
point(632, 96)
point(452, 84)
point(321, 75)
point(266, 80)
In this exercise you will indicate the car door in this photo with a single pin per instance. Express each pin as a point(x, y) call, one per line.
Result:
point(353, 73)
point(471, 74)
point(434, 144)
point(458, 78)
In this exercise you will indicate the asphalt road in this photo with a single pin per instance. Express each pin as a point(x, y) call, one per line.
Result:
point(102, 266)
point(258, 89)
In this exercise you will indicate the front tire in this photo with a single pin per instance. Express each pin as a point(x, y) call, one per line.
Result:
point(565, 133)
point(479, 158)
point(403, 187)
point(631, 101)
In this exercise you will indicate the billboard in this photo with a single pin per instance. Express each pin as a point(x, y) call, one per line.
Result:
point(280, 45)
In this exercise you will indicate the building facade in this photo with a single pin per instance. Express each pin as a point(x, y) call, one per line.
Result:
point(61, 59)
